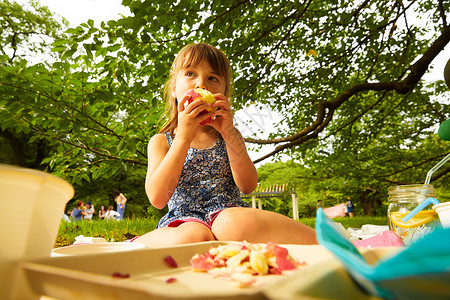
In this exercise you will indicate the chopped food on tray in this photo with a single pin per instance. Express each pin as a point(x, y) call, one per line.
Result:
point(243, 261)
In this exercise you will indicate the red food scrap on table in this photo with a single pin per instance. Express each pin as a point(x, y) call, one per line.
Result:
point(171, 280)
point(121, 275)
point(170, 262)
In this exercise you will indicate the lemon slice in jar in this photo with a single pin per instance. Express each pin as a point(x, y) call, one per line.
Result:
point(419, 219)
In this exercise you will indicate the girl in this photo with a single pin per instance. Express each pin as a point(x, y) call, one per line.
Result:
point(90, 210)
point(78, 212)
point(111, 214)
point(101, 212)
point(120, 199)
point(198, 170)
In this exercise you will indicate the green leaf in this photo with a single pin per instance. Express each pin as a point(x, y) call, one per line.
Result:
point(68, 53)
point(126, 2)
point(60, 42)
point(85, 177)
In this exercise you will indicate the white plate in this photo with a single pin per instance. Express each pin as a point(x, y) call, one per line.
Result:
point(95, 248)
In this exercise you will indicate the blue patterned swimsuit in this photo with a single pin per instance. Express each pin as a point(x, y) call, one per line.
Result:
point(206, 186)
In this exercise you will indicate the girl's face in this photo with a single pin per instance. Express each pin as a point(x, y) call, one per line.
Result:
point(198, 76)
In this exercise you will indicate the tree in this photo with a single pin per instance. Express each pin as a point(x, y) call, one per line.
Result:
point(25, 35)
point(346, 77)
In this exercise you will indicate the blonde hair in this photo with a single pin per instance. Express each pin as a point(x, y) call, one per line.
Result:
point(192, 55)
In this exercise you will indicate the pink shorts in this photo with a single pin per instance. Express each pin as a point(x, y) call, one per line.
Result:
point(177, 223)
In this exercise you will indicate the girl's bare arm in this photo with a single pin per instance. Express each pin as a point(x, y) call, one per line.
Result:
point(164, 164)
point(164, 168)
point(242, 167)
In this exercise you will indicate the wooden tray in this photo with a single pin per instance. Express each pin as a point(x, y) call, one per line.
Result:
point(90, 276)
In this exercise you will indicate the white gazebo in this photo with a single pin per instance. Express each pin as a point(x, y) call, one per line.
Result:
point(273, 191)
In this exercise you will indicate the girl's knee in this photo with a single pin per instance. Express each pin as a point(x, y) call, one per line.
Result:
point(233, 223)
point(193, 233)
point(235, 213)
point(195, 237)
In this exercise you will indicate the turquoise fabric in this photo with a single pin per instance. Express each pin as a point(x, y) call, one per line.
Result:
point(420, 271)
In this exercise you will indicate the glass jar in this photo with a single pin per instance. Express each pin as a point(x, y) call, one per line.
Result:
point(403, 199)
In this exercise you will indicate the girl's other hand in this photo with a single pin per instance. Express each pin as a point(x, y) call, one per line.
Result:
point(223, 116)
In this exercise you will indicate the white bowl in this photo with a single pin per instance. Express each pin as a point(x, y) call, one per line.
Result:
point(443, 210)
point(32, 204)
point(95, 248)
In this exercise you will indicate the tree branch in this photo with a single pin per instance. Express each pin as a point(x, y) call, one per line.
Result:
point(92, 150)
point(323, 118)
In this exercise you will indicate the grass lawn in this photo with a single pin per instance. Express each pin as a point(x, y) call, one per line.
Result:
point(355, 222)
point(112, 231)
point(119, 231)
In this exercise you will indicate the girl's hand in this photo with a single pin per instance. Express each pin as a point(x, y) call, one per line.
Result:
point(223, 116)
point(189, 117)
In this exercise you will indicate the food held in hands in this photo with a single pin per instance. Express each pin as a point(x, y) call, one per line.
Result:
point(207, 96)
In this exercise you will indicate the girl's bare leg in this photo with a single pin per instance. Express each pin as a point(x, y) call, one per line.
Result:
point(188, 232)
point(262, 226)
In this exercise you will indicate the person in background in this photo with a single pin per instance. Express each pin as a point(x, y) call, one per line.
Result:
point(78, 212)
point(111, 214)
point(89, 210)
point(120, 199)
point(319, 203)
point(102, 212)
point(349, 206)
